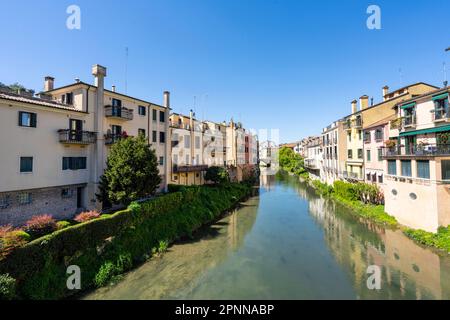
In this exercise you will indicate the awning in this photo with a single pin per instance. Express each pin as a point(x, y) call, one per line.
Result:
point(423, 131)
point(441, 96)
point(409, 105)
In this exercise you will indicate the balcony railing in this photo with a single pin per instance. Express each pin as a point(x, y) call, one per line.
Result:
point(118, 113)
point(76, 136)
point(352, 176)
point(355, 123)
point(189, 168)
point(111, 138)
point(420, 150)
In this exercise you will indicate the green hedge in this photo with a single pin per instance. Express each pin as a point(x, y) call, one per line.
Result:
point(40, 266)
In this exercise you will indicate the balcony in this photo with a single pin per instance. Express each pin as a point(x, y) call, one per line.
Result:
point(353, 124)
point(111, 138)
point(311, 164)
point(76, 136)
point(121, 113)
point(352, 176)
point(420, 150)
point(189, 168)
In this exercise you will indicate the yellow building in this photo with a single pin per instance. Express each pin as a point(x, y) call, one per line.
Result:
point(365, 117)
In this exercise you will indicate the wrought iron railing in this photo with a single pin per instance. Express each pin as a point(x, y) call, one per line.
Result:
point(76, 136)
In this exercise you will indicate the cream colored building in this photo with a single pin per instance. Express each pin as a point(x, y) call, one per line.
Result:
point(314, 160)
point(334, 145)
point(58, 144)
point(188, 165)
point(417, 162)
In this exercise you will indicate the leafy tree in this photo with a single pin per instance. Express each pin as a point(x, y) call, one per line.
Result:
point(131, 173)
point(217, 175)
point(290, 161)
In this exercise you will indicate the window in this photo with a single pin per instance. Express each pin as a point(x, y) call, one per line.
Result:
point(380, 178)
point(162, 116)
point(154, 134)
point(413, 196)
point(349, 136)
point(142, 110)
point(116, 130)
point(141, 132)
point(67, 98)
point(441, 109)
point(392, 167)
point(360, 134)
point(116, 103)
point(162, 137)
point(66, 193)
point(154, 115)
point(380, 154)
point(26, 164)
point(197, 159)
point(175, 159)
point(197, 142)
point(367, 136)
point(379, 135)
point(445, 169)
point(368, 155)
point(5, 201)
point(406, 168)
point(360, 153)
point(423, 169)
point(161, 161)
point(409, 116)
point(350, 154)
point(74, 163)
point(24, 198)
point(187, 141)
point(187, 159)
point(27, 119)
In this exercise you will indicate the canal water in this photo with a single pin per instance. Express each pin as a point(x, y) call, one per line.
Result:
point(288, 243)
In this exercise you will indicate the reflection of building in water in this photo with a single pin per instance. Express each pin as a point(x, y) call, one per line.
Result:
point(266, 178)
point(239, 225)
point(408, 270)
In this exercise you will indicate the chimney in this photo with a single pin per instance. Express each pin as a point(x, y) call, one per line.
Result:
point(167, 99)
point(354, 106)
point(49, 83)
point(364, 102)
point(385, 92)
point(113, 88)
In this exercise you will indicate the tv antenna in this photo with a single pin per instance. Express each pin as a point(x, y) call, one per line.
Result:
point(126, 70)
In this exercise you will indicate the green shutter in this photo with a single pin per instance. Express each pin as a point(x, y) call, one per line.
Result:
point(440, 97)
point(409, 105)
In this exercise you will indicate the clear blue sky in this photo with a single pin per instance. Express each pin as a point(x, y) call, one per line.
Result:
point(293, 65)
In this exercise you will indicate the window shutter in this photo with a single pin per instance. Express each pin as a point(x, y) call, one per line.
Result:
point(20, 118)
point(33, 120)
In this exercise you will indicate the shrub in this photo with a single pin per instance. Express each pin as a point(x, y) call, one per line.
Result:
point(176, 187)
point(7, 287)
point(103, 248)
point(86, 216)
point(39, 226)
point(11, 239)
point(62, 225)
point(217, 175)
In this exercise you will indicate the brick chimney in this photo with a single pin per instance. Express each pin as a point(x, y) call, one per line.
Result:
point(49, 83)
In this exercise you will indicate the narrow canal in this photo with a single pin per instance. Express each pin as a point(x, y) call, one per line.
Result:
point(288, 243)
